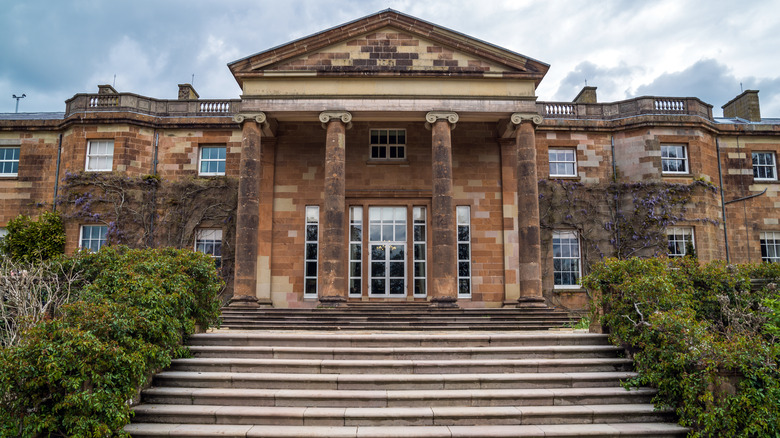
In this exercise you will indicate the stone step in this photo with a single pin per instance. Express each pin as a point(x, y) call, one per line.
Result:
point(396, 327)
point(402, 416)
point(611, 430)
point(232, 338)
point(389, 381)
point(506, 352)
point(470, 366)
point(395, 398)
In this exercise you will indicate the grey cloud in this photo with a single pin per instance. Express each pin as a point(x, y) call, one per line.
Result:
point(714, 83)
point(608, 80)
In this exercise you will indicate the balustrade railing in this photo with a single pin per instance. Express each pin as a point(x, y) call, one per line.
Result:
point(215, 106)
point(560, 109)
point(145, 105)
point(625, 108)
point(103, 100)
point(670, 105)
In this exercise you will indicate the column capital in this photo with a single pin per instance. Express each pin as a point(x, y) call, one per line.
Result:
point(344, 116)
point(432, 116)
point(259, 117)
point(518, 118)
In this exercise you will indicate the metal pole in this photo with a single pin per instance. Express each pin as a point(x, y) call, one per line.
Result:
point(17, 100)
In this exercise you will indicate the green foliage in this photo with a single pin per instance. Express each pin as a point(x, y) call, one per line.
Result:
point(73, 375)
point(701, 335)
point(32, 241)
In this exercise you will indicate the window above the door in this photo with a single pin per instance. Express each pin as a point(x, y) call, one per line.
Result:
point(388, 144)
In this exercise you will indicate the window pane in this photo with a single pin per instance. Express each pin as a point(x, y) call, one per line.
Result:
point(311, 232)
point(396, 287)
point(397, 269)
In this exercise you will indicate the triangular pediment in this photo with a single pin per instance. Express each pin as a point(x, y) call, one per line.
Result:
point(389, 50)
point(393, 44)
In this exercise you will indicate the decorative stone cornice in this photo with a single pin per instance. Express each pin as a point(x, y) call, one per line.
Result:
point(518, 118)
point(432, 116)
point(260, 118)
point(344, 116)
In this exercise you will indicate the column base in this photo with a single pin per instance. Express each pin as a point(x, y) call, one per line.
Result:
point(510, 303)
point(444, 302)
point(531, 302)
point(247, 301)
point(332, 301)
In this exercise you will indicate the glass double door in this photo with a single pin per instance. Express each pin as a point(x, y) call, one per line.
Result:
point(387, 251)
point(381, 260)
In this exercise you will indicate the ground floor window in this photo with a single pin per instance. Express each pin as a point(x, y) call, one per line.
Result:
point(355, 251)
point(566, 259)
point(209, 241)
point(680, 241)
point(419, 240)
point(464, 251)
point(770, 246)
point(311, 251)
point(93, 237)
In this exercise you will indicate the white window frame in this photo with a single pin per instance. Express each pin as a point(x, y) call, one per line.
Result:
point(356, 230)
point(465, 283)
point(770, 246)
point(312, 219)
point(557, 156)
point(766, 166)
point(100, 241)
point(3, 232)
point(94, 156)
point(568, 235)
point(379, 140)
point(213, 237)
point(202, 161)
point(665, 157)
point(419, 258)
point(5, 161)
point(679, 235)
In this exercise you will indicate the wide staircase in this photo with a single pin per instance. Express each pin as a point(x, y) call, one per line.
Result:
point(395, 316)
point(370, 383)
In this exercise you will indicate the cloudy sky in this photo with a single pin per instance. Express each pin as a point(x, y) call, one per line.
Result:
point(711, 49)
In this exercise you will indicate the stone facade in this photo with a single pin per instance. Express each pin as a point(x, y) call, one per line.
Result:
point(388, 116)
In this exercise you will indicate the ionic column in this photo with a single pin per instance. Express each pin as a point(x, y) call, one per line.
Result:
point(245, 290)
point(444, 272)
point(529, 236)
point(332, 268)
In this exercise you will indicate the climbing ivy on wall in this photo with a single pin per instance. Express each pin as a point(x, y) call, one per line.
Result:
point(615, 219)
point(150, 212)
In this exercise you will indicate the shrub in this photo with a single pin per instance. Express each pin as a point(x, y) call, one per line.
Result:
point(30, 293)
point(702, 336)
point(75, 374)
point(31, 241)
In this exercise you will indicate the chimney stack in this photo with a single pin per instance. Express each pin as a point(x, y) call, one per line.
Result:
point(187, 92)
point(106, 89)
point(745, 106)
point(587, 95)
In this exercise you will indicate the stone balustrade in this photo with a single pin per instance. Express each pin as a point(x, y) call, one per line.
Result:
point(648, 105)
point(145, 105)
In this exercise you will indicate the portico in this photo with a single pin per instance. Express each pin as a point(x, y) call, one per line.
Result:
point(370, 207)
